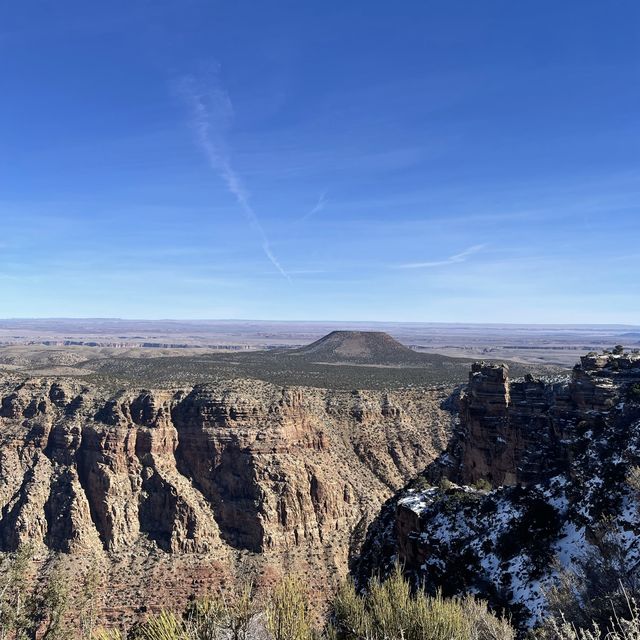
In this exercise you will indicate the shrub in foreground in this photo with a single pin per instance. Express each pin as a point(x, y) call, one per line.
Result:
point(616, 629)
point(288, 611)
point(389, 610)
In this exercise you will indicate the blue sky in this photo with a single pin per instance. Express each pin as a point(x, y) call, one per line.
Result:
point(420, 161)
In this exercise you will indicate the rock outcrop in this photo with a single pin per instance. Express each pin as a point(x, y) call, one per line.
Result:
point(560, 450)
point(183, 487)
point(516, 432)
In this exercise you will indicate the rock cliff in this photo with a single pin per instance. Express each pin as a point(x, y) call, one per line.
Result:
point(517, 432)
point(559, 452)
point(171, 491)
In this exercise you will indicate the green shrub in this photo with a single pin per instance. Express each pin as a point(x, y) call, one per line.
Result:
point(14, 594)
point(46, 609)
point(634, 392)
point(421, 483)
point(633, 480)
point(106, 634)
point(204, 618)
point(163, 626)
point(390, 610)
point(88, 603)
point(230, 613)
point(482, 484)
point(288, 611)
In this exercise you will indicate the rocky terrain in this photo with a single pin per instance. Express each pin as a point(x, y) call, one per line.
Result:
point(560, 454)
point(172, 491)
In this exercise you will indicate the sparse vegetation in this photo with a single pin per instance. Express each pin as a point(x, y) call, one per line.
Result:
point(390, 610)
point(617, 628)
point(597, 602)
point(30, 610)
point(633, 481)
point(230, 612)
point(597, 597)
point(114, 369)
point(14, 598)
point(164, 626)
point(634, 392)
point(421, 483)
point(275, 367)
point(482, 484)
point(46, 607)
point(288, 611)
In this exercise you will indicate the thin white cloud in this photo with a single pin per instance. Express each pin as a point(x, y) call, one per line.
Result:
point(454, 259)
point(211, 114)
point(317, 208)
point(307, 272)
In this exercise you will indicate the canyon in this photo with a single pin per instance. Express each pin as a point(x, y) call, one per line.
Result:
point(492, 487)
point(169, 493)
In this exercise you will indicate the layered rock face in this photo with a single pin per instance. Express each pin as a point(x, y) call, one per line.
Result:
point(516, 432)
point(184, 486)
point(562, 450)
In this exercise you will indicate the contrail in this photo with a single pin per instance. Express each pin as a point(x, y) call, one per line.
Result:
point(211, 114)
point(317, 208)
point(455, 259)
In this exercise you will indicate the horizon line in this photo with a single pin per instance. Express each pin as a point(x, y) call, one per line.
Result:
point(320, 321)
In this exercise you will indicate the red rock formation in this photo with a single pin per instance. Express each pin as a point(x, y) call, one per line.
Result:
point(196, 481)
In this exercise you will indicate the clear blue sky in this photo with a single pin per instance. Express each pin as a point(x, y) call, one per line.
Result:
point(421, 160)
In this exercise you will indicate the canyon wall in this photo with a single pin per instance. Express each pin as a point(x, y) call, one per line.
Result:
point(558, 455)
point(170, 492)
point(517, 432)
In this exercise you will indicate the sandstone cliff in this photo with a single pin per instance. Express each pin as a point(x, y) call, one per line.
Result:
point(170, 492)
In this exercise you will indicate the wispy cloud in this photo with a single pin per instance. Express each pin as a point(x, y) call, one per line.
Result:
point(454, 259)
point(211, 115)
point(317, 208)
point(307, 272)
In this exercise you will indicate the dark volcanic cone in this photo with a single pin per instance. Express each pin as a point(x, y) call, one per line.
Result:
point(359, 347)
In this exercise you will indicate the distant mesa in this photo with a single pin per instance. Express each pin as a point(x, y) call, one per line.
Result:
point(359, 347)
